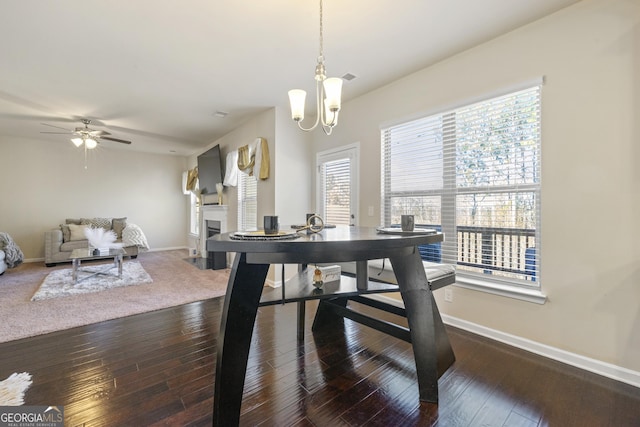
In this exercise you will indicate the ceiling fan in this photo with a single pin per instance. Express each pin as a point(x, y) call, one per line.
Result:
point(87, 136)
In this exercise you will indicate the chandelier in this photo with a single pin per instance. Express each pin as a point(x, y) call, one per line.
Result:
point(328, 92)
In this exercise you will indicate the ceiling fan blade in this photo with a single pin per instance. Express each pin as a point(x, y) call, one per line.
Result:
point(60, 133)
point(98, 133)
point(115, 139)
point(57, 127)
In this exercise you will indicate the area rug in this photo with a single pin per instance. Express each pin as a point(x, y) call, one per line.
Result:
point(12, 389)
point(59, 283)
point(175, 282)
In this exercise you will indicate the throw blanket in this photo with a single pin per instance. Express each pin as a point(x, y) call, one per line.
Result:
point(132, 235)
point(13, 254)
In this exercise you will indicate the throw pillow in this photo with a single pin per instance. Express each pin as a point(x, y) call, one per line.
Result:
point(77, 232)
point(97, 223)
point(66, 233)
point(118, 224)
point(72, 221)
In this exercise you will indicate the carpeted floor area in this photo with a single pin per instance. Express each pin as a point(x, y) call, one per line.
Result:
point(175, 282)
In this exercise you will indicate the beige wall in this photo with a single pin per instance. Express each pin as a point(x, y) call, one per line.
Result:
point(42, 182)
point(293, 180)
point(590, 55)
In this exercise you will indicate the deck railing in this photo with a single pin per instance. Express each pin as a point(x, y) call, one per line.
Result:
point(508, 250)
point(490, 249)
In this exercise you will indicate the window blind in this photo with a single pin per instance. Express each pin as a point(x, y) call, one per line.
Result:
point(247, 202)
point(336, 185)
point(474, 173)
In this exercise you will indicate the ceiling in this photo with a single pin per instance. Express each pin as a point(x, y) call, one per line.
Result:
point(157, 72)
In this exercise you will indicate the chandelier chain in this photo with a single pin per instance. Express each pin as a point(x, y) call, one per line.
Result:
point(321, 37)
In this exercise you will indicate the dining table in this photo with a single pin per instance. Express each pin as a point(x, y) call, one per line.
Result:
point(254, 254)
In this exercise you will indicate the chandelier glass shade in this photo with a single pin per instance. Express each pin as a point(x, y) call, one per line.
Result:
point(328, 94)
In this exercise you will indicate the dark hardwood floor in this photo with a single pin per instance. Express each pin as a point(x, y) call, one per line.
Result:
point(158, 369)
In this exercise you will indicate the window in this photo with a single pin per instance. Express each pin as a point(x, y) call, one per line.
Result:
point(337, 185)
point(473, 173)
point(247, 202)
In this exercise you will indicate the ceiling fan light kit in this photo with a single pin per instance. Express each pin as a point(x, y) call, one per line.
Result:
point(90, 143)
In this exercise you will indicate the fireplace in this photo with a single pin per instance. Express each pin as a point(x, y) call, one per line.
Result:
point(215, 260)
point(217, 215)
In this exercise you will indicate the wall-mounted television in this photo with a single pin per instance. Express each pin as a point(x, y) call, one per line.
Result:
point(210, 170)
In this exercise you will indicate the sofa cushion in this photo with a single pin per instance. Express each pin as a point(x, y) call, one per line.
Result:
point(74, 244)
point(77, 232)
point(66, 233)
point(97, 222)
point(118, 224)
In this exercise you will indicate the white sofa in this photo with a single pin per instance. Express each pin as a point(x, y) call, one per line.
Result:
point(58, 243)
point(3, 265)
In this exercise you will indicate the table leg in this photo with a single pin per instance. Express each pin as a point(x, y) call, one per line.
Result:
point(301, 305)
point(74, 270)
point(326, 316)
point(431, 348)
point(236, 328)
point(362, 275)
point(301, 314)
point(119, 262)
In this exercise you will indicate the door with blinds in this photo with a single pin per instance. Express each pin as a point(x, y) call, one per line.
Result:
point(337, 185)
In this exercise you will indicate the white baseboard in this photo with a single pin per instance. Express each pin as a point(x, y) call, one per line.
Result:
point(171, 248)
point(272, 283)
point(605, 369)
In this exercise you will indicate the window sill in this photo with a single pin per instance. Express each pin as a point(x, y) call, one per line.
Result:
point(529, 295)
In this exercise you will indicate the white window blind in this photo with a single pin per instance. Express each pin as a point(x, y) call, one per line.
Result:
point(474, 173)
point(335, 178)
point(247, 202)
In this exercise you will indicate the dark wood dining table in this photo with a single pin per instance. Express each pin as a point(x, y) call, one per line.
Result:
point(431, 347)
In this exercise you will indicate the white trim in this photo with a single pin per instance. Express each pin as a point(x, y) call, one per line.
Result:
point(599, 367)
point(530, 295)
point(273, 283)
point(503, 90)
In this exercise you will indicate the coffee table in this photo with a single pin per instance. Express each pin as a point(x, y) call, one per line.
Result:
point(85, 254)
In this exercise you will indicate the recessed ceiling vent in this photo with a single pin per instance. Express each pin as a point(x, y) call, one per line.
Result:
point(348, 77)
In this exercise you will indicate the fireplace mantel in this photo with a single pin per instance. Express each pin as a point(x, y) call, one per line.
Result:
point(211, 213)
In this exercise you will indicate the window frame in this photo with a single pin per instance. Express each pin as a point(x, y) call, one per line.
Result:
point(449, 191)
point(194, 211)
